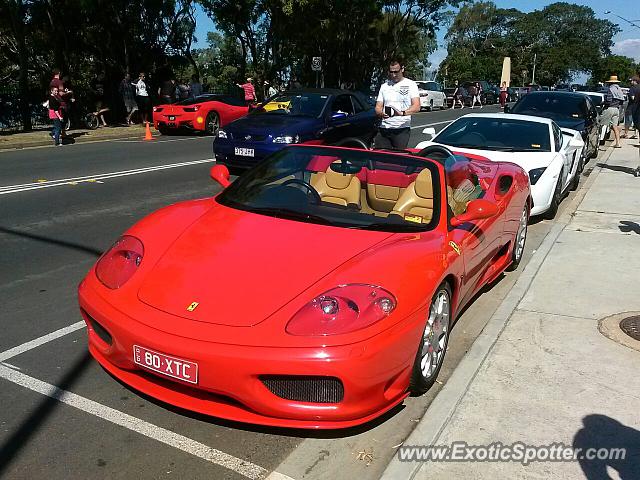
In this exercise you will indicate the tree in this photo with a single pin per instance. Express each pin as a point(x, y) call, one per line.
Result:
point(623, 67)
point(564, 38)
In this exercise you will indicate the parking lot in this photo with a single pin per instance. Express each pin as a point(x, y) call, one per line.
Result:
point(63, 415)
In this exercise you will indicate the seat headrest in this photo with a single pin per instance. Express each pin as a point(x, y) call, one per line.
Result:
point(424, 184)
point(337, 180)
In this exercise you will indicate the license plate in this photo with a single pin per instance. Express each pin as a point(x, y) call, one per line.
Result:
point(171, 124)
point(171, 117)
point(244, 152)
point(165, 364)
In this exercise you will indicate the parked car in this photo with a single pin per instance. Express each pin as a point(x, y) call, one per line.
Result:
point(431, 95)
point(317, 116)
point(552, 156)
point(204, 113)
point(301, 296)
point(571, 110)
point(598, 99)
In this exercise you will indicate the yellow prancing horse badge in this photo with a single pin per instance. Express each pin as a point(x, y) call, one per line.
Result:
point(192, 307)
point(455, 246)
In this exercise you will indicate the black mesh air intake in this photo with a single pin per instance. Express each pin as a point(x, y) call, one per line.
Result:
point(305, 388)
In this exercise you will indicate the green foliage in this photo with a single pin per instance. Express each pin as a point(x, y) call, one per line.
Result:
point(564, 38)
point(355, 38)
point(623, 67)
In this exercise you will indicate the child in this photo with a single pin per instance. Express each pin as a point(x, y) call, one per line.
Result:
point(54, 114)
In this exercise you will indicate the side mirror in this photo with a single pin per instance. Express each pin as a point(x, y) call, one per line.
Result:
point(429, 131)
point(507, 109)
point(476, 210)
point(576, 143)
point(220, 174)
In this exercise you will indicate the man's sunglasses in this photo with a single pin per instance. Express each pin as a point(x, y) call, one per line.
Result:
point(395, 71)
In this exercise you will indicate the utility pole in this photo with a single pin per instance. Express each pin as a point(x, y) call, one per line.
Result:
point(533, 75)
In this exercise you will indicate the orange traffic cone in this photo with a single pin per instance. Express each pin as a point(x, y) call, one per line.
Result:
point(147, 133)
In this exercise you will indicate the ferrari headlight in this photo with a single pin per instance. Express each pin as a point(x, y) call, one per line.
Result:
point(222, 134)
point(535, 174)
point(341, 310)
point(287, 139)
point(120, 262)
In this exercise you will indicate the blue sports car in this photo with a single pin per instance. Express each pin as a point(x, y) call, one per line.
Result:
point(312, 116)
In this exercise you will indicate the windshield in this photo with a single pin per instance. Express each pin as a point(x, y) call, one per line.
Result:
point(341, 187)
point(427, 86)
point(298, 104)
point(497, 133)
point(559, 106)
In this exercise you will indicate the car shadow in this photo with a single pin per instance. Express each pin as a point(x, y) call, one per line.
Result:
point(626, 227)
point(617, 168)
point(62, 243)
point(38, 418)
point(605, 434)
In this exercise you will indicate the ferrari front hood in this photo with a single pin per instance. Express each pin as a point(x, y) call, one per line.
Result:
point(236, 268)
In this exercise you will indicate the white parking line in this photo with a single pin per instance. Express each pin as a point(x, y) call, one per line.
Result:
point(7, 189)
point(185, 444)
point(25, 347)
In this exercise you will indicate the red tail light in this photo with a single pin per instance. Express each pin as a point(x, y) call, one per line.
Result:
point(119, 264)
point(342, 310)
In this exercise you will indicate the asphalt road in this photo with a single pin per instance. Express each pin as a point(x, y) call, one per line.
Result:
point(59, 209)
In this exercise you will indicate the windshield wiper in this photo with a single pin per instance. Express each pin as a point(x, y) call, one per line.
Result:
point(291, 214)
point(390, 227)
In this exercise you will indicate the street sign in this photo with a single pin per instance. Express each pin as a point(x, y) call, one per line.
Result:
point(316, 64)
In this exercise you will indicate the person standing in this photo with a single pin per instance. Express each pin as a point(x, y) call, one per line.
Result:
point(634, 99)
point(475, 91)
point(128, 93)
point(167, 91)
point(54, 114)
point(269, 90)
point(633, 104)
point(457, 96)
point(397, 100)
point(142, 97)
point(195, 87)
point(614, 98)
point(249, 91)
point(503, 95)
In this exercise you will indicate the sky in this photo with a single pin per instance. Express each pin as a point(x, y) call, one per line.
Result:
point(627, 42)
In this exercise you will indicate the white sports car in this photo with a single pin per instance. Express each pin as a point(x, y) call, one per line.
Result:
point(552, 155)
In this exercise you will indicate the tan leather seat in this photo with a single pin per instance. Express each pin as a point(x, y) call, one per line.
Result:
point(417, 199)
point(339, 188)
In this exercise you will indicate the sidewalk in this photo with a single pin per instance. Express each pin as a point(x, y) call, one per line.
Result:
point(541, 372)
point(40, 138)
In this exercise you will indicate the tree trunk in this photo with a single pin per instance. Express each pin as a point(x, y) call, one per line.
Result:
point(17, 16)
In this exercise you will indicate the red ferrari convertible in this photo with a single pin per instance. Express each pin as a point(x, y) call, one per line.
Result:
point(316, 291)
point(205, 113)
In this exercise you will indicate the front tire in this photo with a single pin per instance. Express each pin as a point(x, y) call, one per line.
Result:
point(555, 201)
point(433, 344)
point(519, 240)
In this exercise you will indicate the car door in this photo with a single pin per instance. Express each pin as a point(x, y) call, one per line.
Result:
point(440, 96)
point(478, 241)
point(339, 119)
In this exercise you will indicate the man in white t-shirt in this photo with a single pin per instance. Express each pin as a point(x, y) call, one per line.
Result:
point(397, 100)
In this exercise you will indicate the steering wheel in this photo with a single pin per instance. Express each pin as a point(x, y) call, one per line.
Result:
point(438, 153)
point(295, 181)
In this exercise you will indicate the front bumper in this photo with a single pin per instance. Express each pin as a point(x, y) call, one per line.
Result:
point(374, 374)
point(224, 152)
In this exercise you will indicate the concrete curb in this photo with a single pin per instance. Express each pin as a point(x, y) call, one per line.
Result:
point(441, 410)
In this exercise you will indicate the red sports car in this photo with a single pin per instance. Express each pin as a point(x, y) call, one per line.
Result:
point(316, 291)
point(205, 113)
